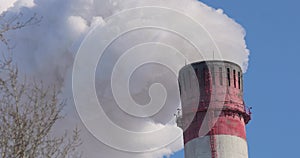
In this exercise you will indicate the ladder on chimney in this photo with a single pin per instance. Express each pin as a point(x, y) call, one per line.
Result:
point(212, 137)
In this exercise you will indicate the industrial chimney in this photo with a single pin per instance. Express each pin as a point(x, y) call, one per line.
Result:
point(213, 114)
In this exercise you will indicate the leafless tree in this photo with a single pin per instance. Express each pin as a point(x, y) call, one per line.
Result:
point(28, 113)
point(13, 22)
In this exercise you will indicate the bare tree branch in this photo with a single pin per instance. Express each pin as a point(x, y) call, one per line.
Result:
point(28, 113)
point(15, 22)
point(29, 110)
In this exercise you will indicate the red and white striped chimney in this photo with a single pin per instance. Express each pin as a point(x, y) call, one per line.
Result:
point(213, 110)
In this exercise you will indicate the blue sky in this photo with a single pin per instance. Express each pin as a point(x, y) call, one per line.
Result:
point(272, 82)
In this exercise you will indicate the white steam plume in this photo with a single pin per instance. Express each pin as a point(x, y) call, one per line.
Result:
point(47, 50)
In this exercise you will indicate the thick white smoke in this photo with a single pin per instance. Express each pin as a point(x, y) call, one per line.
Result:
point(47, 50)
